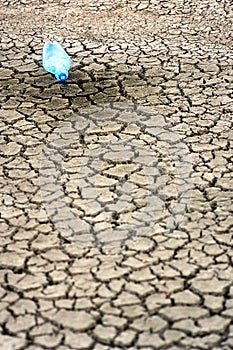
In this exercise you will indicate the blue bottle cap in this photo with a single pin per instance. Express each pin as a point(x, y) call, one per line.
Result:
point(62, 76)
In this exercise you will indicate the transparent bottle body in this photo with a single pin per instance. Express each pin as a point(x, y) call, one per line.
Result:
point(56, 61)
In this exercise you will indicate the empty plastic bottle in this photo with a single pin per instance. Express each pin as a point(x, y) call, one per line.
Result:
point(56, 61)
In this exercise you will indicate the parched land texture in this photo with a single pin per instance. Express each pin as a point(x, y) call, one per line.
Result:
point(116, 187)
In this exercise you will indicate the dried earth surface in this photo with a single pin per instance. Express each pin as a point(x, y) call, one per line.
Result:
point(116, 186)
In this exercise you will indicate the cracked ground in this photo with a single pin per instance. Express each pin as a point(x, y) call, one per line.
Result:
point(116, 186)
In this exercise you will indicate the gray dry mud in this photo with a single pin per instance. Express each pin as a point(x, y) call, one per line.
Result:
point(116, 187)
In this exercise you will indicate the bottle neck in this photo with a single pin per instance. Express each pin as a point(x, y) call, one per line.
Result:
point(61, 73)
